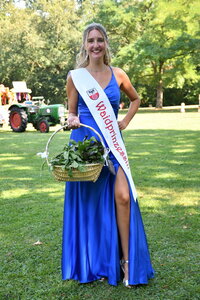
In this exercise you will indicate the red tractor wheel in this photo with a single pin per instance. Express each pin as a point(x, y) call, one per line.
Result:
point(43, 126)
point(18, 119)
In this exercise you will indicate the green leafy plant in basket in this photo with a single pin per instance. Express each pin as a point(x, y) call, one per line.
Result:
point(76, 155)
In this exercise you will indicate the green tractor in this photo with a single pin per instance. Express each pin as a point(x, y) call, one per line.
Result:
point(42, 117)
point(34, 111)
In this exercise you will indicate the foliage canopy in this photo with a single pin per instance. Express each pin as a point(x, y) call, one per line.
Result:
point(155, 42)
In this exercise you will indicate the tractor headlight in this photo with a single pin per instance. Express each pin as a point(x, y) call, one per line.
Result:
point(61, 111)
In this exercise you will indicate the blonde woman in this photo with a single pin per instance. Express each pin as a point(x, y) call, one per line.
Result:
point(103, 233)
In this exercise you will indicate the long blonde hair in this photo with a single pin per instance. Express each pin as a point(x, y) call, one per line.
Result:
point(82, 59)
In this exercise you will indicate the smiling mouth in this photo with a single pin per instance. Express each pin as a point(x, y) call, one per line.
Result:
point(96, 51)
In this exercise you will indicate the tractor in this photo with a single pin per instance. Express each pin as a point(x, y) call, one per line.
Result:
point(34, 111)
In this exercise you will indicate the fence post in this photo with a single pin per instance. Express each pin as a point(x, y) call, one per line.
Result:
point(182, 107)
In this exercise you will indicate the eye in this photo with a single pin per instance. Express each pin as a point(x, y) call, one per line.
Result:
point(90, 40)
point(100, 40)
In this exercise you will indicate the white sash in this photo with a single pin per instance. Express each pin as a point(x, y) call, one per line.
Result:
point(102, 111)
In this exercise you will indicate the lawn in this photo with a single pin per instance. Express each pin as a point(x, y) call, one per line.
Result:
point(164, 153)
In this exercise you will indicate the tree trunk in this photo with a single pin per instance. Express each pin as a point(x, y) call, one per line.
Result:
point(159, 97)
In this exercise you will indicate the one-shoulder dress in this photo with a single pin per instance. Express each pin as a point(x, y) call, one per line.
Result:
point(91, 245)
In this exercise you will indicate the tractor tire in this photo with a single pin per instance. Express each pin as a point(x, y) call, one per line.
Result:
point(18, 119)
point(43, 126)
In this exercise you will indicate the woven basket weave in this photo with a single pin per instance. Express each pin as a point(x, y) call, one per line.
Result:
point(91, 171)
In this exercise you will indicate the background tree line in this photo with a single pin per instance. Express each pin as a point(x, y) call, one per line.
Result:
point(155, 41)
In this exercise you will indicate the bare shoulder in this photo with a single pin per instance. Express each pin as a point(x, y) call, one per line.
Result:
point(69, 80)
point(120, 75)
point(69, 76)
point(119, 72)
point(70, 87)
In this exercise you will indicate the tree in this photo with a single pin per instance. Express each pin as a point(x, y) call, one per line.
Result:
point(167, 45)
point(40, 45)
point(21, 44)
point(154, 41)
point(57, 25)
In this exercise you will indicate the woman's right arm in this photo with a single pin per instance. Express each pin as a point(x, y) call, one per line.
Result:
point(72, 95)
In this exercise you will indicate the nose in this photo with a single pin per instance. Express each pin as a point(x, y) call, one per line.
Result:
point(96, 44)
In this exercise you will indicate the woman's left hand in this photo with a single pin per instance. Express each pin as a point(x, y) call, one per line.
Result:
point(122, 125)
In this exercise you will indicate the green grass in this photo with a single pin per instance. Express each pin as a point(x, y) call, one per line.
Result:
point(164, 152)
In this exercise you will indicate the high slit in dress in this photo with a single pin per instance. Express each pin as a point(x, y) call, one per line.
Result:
point(91, 245)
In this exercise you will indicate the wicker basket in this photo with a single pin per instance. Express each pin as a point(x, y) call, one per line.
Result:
point(91, 172)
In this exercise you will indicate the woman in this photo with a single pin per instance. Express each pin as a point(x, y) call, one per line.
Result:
point(103, 229)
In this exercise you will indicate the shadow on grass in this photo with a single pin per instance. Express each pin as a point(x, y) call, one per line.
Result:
point(165, 167)
point(164, 158)
point(158, 158)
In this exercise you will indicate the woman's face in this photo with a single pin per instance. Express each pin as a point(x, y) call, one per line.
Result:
point(95, 44)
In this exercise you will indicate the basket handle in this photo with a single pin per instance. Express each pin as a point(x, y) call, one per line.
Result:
point(65, 126)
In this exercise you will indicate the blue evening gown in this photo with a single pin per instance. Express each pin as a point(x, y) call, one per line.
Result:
point(91, 243)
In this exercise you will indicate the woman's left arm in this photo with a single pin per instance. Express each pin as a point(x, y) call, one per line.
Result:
point(127, 87)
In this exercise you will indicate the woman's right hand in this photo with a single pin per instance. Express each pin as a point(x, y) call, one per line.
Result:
point(73, 121)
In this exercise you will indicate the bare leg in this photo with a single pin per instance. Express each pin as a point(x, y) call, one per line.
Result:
point(122, 199)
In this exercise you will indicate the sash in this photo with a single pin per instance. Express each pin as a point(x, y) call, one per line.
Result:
point(102, 111)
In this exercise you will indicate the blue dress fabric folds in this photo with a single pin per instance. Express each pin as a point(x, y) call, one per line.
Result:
point(91, 243)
